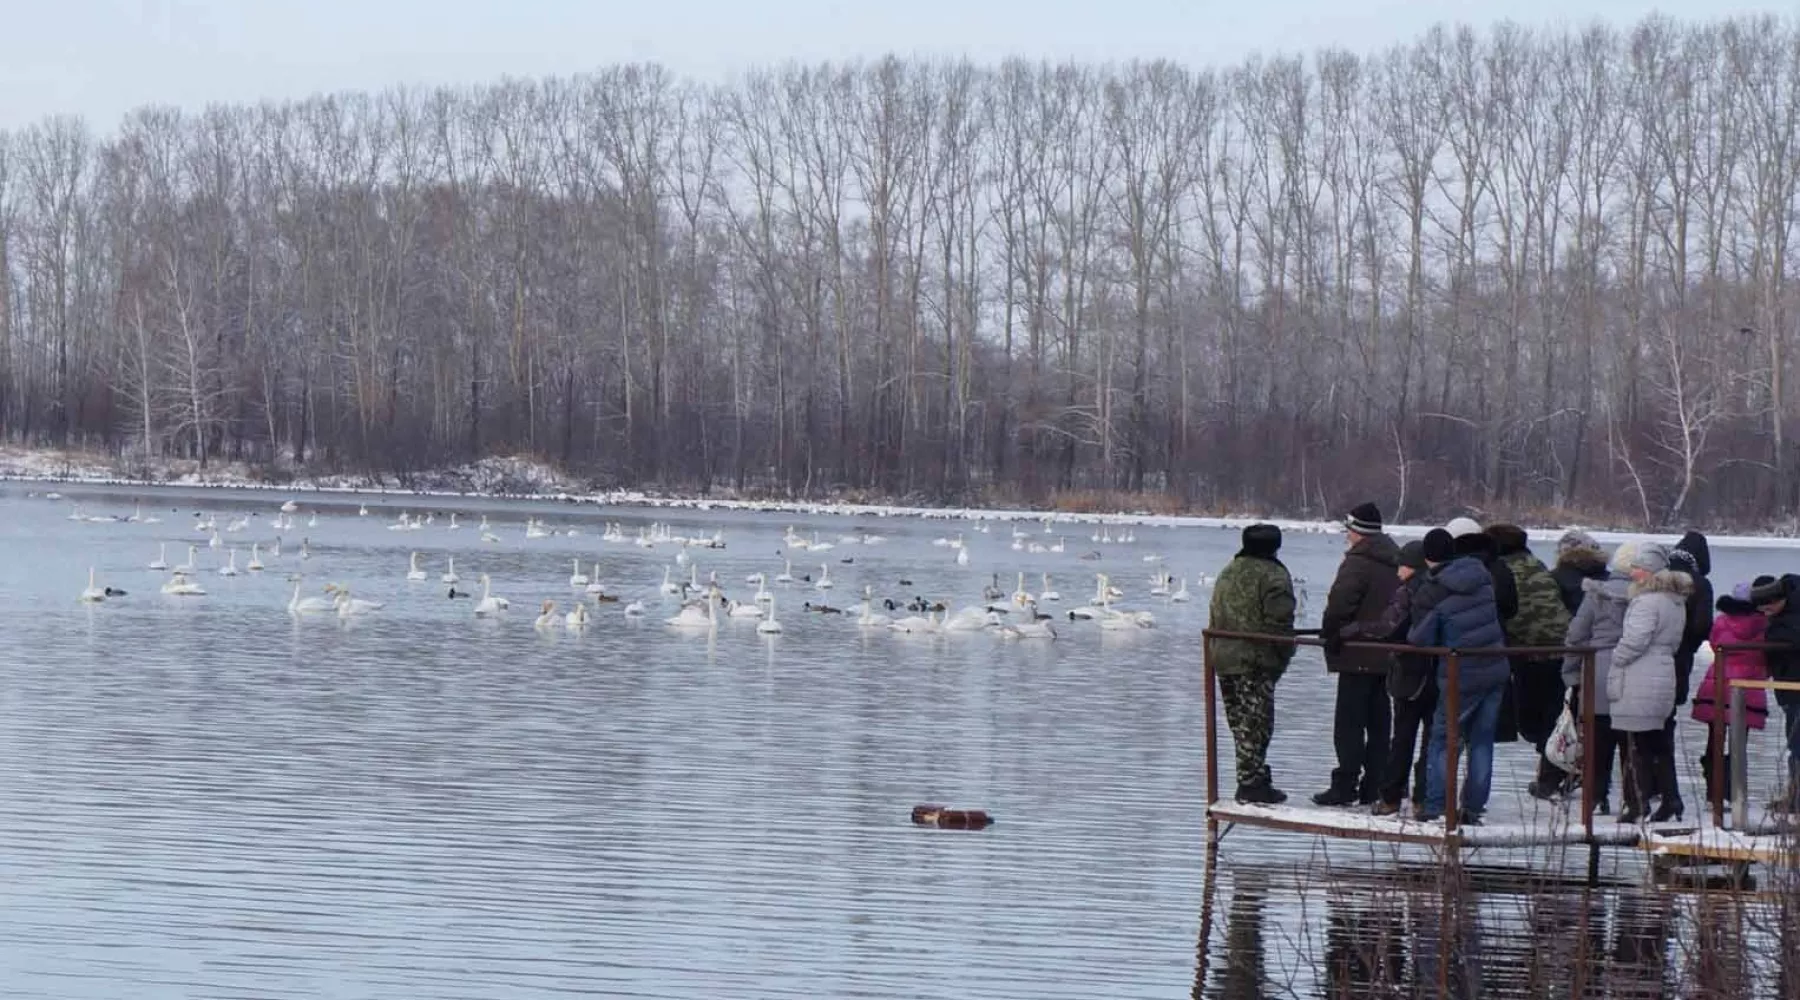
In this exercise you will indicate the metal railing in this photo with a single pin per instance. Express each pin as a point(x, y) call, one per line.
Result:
point(1452, 695)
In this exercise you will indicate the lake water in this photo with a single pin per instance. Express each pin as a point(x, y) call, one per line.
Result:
point(205, 797)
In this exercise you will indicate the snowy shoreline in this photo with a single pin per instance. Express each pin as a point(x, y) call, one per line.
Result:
point(24, 466)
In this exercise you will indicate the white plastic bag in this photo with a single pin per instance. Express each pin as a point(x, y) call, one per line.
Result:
point(1564, 746)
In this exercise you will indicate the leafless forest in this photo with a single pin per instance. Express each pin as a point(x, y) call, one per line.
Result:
point(1510, 270)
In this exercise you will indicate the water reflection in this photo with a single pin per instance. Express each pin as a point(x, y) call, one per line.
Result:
point(1481, 935)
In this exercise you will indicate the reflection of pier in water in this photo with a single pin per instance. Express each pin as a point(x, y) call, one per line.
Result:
point(1460, 933)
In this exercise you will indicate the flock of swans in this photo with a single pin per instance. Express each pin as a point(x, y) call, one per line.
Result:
point(704, 605)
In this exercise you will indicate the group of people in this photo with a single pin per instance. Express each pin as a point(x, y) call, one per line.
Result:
point(1647, 608)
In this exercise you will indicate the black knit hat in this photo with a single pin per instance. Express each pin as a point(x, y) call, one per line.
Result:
point(1262, 540)
point(1412, 555)
point(1438, 546)
point(1364, 519)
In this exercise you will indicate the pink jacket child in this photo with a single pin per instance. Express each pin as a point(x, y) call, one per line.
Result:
point(1738, 622)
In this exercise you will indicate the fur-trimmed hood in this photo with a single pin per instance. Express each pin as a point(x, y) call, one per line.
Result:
point(1667, 582)
point(1587, 562)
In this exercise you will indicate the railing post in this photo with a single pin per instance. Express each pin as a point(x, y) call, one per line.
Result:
point(1590, 770)
point(1210, 679)
point(1740, 766)
point(1452, 736)
point(1715, 747)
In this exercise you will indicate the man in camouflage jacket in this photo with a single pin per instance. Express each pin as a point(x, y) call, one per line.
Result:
point(1543, 620)
point(1254, 593)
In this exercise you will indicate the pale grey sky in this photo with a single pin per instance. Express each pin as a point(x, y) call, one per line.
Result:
point(100, 58)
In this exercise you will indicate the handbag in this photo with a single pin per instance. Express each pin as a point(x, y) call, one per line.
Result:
point(1563, 749)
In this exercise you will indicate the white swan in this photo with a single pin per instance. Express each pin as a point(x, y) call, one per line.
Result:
point(180, 586)
point(230, 568)
point(869, 618)
point(162, 556)
point(256, 563)
point(769, 626)
point(289, 507)
point(739, 609)
point(635, 609)
point(450, 571)
point(1020, 596)
point(413, 572)
point(669, 586)
point(692, 615)
point(94, 594)
point(962, 556)
point(547, 616)
point(348, 606)
point(787, 573)
point(915, 623)
point(489, 604)
point(488, 536)
point(362, 511)
point(214, 542)
point(310, 605)
point(762, 590)
point(189, 567)
point(1181, 593)
point(824, 582)
point(578, 578)
point(577, 618)
point(1027, 630)
point(1048, 594)
point(594, 585)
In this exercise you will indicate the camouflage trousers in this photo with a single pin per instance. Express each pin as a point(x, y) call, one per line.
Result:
point(1250, 711)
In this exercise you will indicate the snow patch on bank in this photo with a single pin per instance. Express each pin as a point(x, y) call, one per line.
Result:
point(525, 478)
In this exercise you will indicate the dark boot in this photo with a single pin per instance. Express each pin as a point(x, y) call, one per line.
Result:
point(1670, 807)
point(1552, 781)
point(1335, 796)
point(1640, 785)
point(1261, 793)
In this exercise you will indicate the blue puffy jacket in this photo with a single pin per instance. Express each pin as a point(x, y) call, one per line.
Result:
point(1464, 616)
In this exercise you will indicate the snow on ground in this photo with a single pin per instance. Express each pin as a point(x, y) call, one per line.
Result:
point(520, 477)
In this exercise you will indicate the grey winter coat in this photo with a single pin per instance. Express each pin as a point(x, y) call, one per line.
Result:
point(1598, 622)
point(1640, 681)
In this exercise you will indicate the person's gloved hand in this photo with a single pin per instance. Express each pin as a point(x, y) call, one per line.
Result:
point(1334, 644)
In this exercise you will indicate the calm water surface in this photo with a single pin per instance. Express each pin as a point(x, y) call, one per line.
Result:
point(207, 798)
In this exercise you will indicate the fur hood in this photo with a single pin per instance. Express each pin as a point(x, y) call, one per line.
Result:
point(1667, 582)
point(1587, 562)
point(1508, 538)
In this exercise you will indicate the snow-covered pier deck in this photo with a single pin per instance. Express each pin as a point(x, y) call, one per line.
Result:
point(1765, 841)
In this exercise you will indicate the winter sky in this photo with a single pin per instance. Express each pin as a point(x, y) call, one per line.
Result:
point(100, 58)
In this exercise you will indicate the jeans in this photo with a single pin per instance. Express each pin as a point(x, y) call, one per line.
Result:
point(1480, 718)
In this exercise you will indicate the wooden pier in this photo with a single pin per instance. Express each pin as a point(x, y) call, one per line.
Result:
point(1739, 835)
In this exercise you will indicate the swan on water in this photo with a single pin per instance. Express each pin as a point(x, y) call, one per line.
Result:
point(489, 604)
point(93, 594)
point(180, 585)
point(1048, 594)
point(453, 525)
point(739, 609)
point(824, 577)
point(214, 542)
point(635, 609)
point(162, 556)
point(348, 606)
point(669, 586)
point(256, 563)
point(189, 566)
point(769, 626)
point(230, 568)
point(762, 590)
point(289, 507)
point(787, 574)
point(595, 587)
point(547, 615)
point(577, 618)
point(1181, 592)
point(701, 613)
point(915, 623)
point(309, 605)
point(869, 618)
point(578, 578)
point(413, 572)
point(962, 556)
point(450, 571)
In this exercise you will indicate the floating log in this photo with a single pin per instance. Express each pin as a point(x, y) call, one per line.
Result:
point(951, 819)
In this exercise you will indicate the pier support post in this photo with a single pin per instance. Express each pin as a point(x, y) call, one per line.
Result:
point(1211, 681)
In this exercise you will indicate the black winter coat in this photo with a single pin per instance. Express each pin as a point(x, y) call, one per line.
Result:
point(1699, 612)
point(1410, 674)
point(1572, 570)
point(1784, 664)
point(1366, 579)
